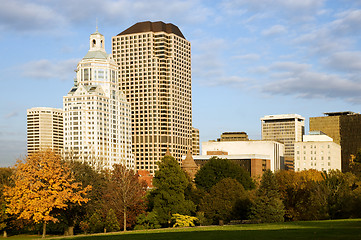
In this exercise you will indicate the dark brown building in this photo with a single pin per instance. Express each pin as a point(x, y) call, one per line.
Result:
point(345, 129)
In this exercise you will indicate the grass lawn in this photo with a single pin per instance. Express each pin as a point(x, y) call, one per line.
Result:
point(335, 229)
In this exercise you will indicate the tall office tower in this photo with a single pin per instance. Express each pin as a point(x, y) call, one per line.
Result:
point(345, 129)
point(287, 129)
point(44, 129)
point(154, 61)
point(195, 141)
point(96, 114)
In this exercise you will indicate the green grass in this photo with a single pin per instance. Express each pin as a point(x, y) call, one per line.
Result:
point(336, 229)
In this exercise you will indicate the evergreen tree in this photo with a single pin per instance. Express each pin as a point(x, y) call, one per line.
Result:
point(217, 169)
point(168, 197)
point(268, 207)
point(111, 222)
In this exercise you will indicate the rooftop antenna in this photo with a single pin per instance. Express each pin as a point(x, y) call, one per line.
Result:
point(96, 24)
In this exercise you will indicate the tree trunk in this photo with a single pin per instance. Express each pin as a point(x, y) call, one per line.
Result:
point(125, 219)
point(69, 231)
point(5, 234)
point(44, 229)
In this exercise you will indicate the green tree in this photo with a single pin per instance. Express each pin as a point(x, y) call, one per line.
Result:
point(95, 223)
point(217, 169)
point(147, 220)
point(111, 222)
point(43, 184)
point(268, 207)
point(87, 176)
point(227, 200)
point(168, 197)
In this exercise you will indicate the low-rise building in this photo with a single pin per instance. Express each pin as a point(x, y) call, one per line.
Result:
point(317, 151)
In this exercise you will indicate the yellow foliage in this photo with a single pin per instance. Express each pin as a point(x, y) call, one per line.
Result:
point(42, 183)
point(183, 220)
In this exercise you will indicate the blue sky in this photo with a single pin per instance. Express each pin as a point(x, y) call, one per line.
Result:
point(249, 58)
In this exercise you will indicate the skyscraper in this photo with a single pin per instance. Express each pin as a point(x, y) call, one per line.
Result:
point(154, 61)
point(97, 126)
point(44, 129)
point(287, 129)
point(345, 129)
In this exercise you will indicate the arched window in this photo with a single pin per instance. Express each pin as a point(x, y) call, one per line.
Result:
point(94, 42)
point(101, 43)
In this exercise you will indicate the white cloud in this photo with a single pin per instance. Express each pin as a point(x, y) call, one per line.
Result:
point(274, 30)
point(46, 69)
point(20, 15)
point(248, 57)
point(11, 114)
point(346, 61)
point(298, 79)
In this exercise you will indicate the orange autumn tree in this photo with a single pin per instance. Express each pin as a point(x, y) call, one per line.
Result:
point(42, 183)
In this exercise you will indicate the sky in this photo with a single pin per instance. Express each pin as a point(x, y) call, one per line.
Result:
point(249, 58)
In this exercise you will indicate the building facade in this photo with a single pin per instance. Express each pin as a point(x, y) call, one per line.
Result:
point(345, 129)
point(317, 151)
point(96, 114)
point(195, 141)
point(285, 128)
point(154, 61)
point(233, 136)
point(272, 150)
point(44, 129)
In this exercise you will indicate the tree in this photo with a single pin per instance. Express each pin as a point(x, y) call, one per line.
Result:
point(42, 185)
point(168, 197)
point(217, 169)
point(183, 220)
point(111, 222)
point(125, 193)
point(5, 176)
point(268, 206)
point(87, 176)
point(226, 200)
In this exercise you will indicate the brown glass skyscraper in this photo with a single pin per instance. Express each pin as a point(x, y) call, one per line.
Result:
point(344, 128)
point(154, 60)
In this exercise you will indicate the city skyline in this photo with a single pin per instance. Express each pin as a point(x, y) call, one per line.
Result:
point(248, 60)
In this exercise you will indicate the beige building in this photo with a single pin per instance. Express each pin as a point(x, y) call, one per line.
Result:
point(345, 129)
point(285, 128)
point(97, 125)
point(44, 129)
point(271, 150)
point(195, 141)
point(317, 151)
point(233, 136)
point(154, 61)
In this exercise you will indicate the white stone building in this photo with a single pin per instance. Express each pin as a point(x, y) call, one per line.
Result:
point(317, 151)
point(97, 117)
point(268, 149)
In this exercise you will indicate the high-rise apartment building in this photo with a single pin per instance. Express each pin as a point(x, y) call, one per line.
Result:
point(154, 61)
point(345, 129)
point(285, 128)
point(195, 141)
point(44, 129)
point(97, 125)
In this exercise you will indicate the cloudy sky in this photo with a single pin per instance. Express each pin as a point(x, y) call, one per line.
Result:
point(249, 58)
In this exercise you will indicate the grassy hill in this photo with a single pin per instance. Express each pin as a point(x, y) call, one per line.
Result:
point(335, 229)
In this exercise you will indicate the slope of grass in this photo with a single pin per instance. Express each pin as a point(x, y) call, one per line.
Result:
point(335, 229)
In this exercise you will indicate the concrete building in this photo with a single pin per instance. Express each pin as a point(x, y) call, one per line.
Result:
point(154, 61)
point(44, 129)
point(345, 129)
point(271, 150)
point(97, 125)
point(195, 141)
point(233, 136)
point(285, 128)
point(317, 151)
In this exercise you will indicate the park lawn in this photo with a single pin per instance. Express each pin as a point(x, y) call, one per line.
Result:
point(329, 229)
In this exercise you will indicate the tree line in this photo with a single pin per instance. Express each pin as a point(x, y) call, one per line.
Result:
point(47, 193)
